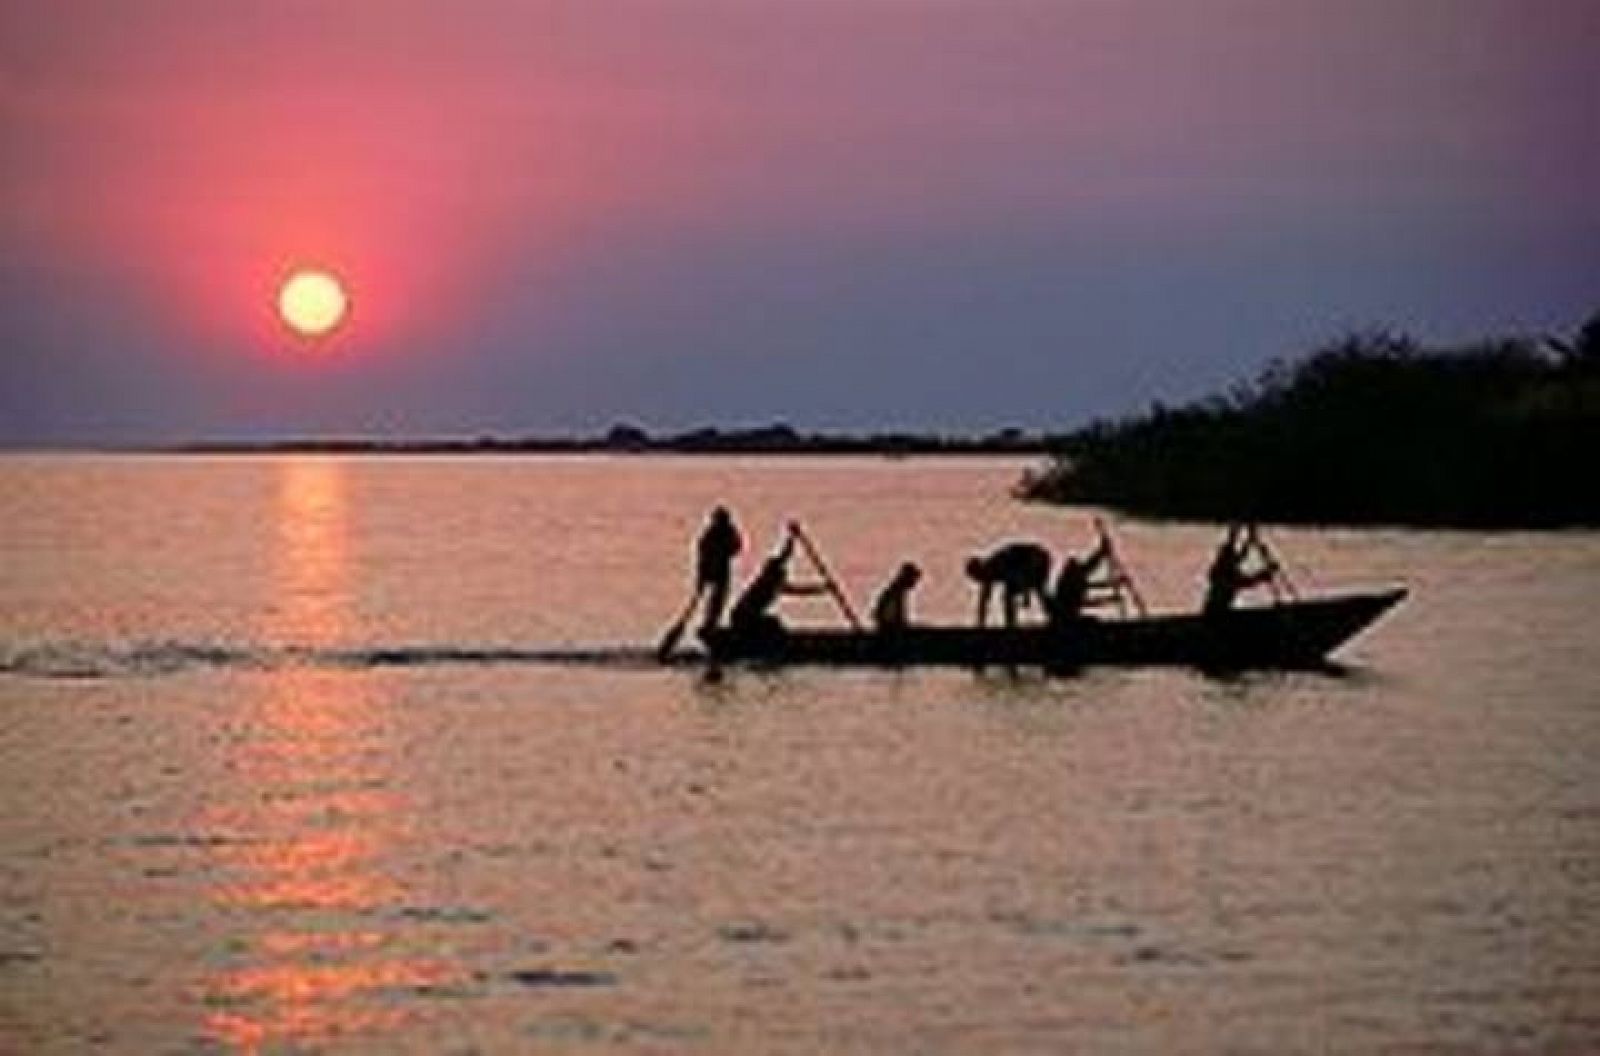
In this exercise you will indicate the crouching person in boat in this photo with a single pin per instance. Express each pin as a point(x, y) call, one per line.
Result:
point(891, 613)
point(752, 618)
point(1228, 576)
point(1021, 571)
point(1076, 586)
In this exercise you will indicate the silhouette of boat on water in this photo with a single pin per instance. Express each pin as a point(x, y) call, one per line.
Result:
point(1287, 634)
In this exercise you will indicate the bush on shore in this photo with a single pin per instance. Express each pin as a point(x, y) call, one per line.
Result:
point(1372, 429)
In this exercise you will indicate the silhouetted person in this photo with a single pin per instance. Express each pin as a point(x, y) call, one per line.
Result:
point(1227, 576)
point(1074, 583)
point(752, 615)
point(718, 545)
point(892, 611)
point(1020, 570)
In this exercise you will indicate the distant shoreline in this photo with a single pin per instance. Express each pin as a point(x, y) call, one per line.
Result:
point(627, 440)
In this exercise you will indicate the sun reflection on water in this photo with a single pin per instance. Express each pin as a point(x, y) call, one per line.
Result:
point(312, 560)
point(316, 809)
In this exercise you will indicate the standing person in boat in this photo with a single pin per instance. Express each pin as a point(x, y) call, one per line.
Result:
point(1075, 582)
point(752, 616)
point(1227, 577)
point(891, 613)
point(1020, 570)
point(719, 543)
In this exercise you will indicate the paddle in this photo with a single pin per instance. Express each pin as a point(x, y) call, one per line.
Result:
point(827, 576)
point(674, 633)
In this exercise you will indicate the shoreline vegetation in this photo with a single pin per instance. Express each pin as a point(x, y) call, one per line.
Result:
point(775, 439)
point(1373, 429)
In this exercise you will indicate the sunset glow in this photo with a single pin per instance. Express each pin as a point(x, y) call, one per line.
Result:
point(313, 303)
point(547, 215)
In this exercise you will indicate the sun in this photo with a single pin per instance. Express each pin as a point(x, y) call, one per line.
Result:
point(313, 302)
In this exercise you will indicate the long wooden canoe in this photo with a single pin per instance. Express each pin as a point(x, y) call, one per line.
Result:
point(1289, 634)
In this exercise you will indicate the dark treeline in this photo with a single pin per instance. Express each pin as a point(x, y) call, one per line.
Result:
point(776, 439)
point(1372, 430)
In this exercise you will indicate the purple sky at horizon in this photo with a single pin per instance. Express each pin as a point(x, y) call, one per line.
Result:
point(866, 214)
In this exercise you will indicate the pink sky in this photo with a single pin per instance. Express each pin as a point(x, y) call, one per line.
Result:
point(464, 164)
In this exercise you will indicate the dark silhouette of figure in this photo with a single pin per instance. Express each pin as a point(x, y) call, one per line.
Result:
point(1227, 577)
point(892, 611)
point(1074, 583)
point(752, 615)
point(1020, 570)
point(718, 545)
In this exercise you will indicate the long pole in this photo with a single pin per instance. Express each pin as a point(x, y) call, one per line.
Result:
point(1120, 570)
point(827, 576)
point(1280, 575)
point(674, 632)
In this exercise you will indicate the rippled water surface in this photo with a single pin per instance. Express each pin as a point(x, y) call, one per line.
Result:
point(305, 754)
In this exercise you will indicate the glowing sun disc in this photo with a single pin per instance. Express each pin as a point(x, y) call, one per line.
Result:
point(313, 303)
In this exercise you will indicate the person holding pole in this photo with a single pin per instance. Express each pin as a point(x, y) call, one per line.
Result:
point(1227, 577)
point(719, 543)
point(1075, 582)
point(752, 616)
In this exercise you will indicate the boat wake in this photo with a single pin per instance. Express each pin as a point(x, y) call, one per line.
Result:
point(78, 659)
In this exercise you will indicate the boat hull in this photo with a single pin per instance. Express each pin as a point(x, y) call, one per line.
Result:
point(1293, 634)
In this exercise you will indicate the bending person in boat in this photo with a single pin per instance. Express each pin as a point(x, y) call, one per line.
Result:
point(718, 545)
point(891, 613)
point(1075, 583)
point(1020, 570)
point(752, 616)
point(1227, 577)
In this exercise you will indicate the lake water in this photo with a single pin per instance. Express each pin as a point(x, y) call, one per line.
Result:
point(363, 754)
